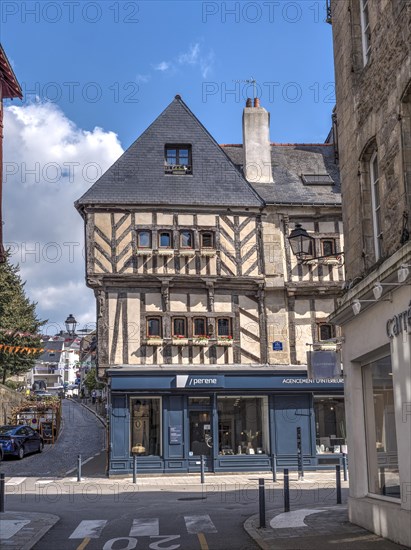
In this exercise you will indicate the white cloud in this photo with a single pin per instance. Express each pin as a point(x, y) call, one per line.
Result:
point(163, 66)
point(49, 163)
point(143, 78)
point(190, 57)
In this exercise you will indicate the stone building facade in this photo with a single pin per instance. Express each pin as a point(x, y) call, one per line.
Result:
point(204, 315)
point(373, 87)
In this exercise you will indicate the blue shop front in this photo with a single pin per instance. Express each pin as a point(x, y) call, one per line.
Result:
point(237, 421)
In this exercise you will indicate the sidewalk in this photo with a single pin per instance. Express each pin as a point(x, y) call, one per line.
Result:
point(319, 528)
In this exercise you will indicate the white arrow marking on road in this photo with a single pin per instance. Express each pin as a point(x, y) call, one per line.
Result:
point(199, 524)
point(9, 527)
point(145, 527)
point(288, 520)
point(15, 481)
point(88, 529)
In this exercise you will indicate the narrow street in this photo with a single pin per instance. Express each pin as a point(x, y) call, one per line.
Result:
point(82, 433)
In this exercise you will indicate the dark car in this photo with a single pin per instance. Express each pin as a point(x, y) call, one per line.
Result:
point(1, 452)
point(20, 440)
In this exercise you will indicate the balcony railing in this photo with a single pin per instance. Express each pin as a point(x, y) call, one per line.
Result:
point(177, 169)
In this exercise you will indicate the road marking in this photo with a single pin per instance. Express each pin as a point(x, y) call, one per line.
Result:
point(44, 481)
point(202, 541)
point(199, 524)
point(289, 520)
point(15, 481)
point(144, 527)
point(9, 527)
point(88, 529)
point(83, 544)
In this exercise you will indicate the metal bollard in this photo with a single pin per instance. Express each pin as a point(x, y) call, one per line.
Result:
point(134, 468)
point(338, 479)
point(202, 467)
point(286, 491)
point(274, 467)
point(2, 491)
point(344, 461)
point(261, 500)
point(78, 467)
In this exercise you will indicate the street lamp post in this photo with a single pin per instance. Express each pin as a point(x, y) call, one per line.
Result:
point(71, 324)
point(302, 246)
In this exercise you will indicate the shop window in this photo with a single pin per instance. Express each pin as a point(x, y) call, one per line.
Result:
point(380, 427)
point(326, 331)
point(180, 327)
point(186, 239)
point(199, 326)
point(146, 426)
point(330, 424)
point(154, 327)
point(328, 247)
point(144, 239)
point(207, 239)
point(224, 327)
point(242, 425)
point(164, 239)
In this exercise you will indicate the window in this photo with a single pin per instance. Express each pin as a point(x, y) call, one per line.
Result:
point(186, 239)
point(325, 331)
point(242, 425)
point(199, 326)
point(328, 247)
point(179, 327)
point(317, 179)
point(365, 31)
point(207, 239)
point(380, 427)
point(146, 427)
point(164, 239)
point(224, 327)
point(329, 424)
point(153, 327)
point(178, 159)
point(144, 239)
point(376, 205)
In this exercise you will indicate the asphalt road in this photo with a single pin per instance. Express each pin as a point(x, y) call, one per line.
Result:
point(82, 433)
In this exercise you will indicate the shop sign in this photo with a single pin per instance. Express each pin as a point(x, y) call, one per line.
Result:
point(277, 346)
point(313, 381)
point(199, 381)
point(175, 435)
point(399, 323)
point(324, 364)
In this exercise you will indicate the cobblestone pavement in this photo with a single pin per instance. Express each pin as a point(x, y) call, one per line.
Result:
point(82, 433)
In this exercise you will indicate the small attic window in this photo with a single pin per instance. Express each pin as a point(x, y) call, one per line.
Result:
point(317, 179)
point(177, 160)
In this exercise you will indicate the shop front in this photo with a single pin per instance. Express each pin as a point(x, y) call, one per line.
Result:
point(236, 421)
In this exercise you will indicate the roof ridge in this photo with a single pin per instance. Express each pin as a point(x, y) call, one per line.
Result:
point(272, 143)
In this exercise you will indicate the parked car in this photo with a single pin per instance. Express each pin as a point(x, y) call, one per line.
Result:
point(20, 440)
point(41, 394)
point(1, 452)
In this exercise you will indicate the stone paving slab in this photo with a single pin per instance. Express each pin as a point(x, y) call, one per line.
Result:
point(325, 529)
point(22, 530)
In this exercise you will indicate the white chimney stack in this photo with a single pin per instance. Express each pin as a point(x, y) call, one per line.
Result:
point(256, 143)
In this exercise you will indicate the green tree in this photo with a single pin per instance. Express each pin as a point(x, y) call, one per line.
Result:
point(19, 324)
point(90, 381)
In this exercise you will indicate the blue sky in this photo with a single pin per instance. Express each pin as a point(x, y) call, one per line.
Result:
point(96, 74)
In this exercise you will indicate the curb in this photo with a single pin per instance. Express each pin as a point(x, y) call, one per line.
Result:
point(253, 533)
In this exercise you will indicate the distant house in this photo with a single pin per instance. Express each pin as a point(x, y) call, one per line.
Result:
point(203, 312)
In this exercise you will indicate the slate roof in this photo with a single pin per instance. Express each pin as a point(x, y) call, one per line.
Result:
point(289, 162)
point(53, 353)
point(138, 178)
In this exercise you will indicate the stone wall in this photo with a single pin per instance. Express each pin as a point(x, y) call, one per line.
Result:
point(8, 399)
point(372, 113)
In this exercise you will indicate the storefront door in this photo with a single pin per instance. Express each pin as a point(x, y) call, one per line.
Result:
point(201, 439)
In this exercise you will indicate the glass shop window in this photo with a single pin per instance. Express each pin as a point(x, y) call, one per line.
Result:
point(330, 424)
point(146, 426)
point(186, 239)
point(164, 239)
point(199, 326)
point(224, 327)
point(242, 425)
point(144, 239)
point(179, 327)
point(380, 426)
point(153, 327)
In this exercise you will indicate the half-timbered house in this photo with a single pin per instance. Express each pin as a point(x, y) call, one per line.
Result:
point(201, 309)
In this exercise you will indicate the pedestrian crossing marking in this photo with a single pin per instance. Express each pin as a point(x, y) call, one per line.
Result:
point(9, 527)
point(15, 481)
point(89, 529)
point(199, 524)
point(143, 527)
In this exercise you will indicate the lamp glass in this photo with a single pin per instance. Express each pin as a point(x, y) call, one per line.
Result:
point(300, 241)
point(403, 273)
point(356, 307)
point(377, 291)
point(71, 324)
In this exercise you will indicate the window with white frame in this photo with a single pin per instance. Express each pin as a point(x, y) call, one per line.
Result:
point(376, 205)
point(365, 31)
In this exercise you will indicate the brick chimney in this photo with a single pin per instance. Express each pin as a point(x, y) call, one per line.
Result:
point(256, 143)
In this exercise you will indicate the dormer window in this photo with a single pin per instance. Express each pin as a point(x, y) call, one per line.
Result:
point(178, 160)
